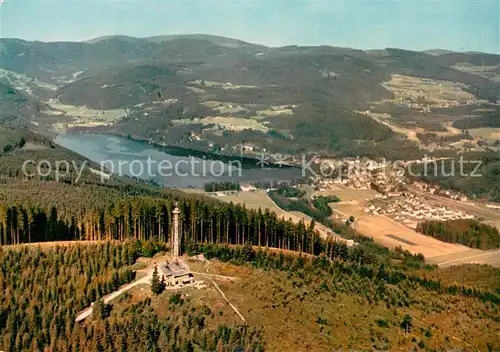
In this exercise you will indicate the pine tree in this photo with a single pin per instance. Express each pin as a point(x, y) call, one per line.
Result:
point(156, 284)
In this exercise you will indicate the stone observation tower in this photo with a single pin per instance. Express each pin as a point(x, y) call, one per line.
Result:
point(176, 238)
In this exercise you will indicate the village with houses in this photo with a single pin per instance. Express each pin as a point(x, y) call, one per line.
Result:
point(394, 192)
point(407, 207)
point(379, 188)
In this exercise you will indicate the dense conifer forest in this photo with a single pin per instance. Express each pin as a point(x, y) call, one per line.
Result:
point(44, 289)
point(470, 233)
point(146, 217)
point(54, 284)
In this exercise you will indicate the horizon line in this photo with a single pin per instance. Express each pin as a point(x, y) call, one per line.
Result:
point(89, 41)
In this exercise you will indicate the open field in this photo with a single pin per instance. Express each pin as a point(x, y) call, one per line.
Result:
point(23, 82)
point(489, 72)
point(385, 119)
point(450, 130)
point(486, 133)
point(275, 111)
point(223, 107)
point(407, 88)
point(33, 146)
point(254, 200)
point(421, 95)
point(84, 117)
point(237, 123)
point(411, 133)
point(347, 210)
point(227, 85)
point(324, 231)
point(195, 89)
point(391, 234)
point(251, 200)
point(86, 113)
point(229, 123)
point(490, 257)
point(300, 215)
point(352, 201)
point(348, 194)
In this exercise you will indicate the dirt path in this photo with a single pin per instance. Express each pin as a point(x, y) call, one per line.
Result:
point(108, 298)
point(223, 277)
point(148, 270)
point(433, 327)
point(227, 300)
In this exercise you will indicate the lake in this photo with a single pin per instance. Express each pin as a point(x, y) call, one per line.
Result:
point(134, 158)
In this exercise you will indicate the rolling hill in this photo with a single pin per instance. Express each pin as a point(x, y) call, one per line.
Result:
point(289, 98)
point(311, 294)
point(302, 293)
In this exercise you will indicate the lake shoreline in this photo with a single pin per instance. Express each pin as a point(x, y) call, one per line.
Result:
point(172, 167)
point(247, 162)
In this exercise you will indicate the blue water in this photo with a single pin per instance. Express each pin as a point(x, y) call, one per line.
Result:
point(132, 158)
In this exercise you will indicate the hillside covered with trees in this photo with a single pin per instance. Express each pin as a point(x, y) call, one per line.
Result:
point(312, 302)
point(160, 80)
point(470, 233)
point(53, 284)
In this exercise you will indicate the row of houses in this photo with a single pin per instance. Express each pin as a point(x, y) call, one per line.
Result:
point(435, 189)
point(410, 206)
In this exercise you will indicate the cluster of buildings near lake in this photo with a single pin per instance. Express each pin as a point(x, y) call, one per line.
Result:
point(407, 207)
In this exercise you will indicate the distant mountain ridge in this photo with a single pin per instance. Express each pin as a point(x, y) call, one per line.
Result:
point(44, 60)
point(168, 84)
point(217, 40)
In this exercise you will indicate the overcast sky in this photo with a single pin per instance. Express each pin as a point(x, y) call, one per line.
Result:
point(457, 25)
